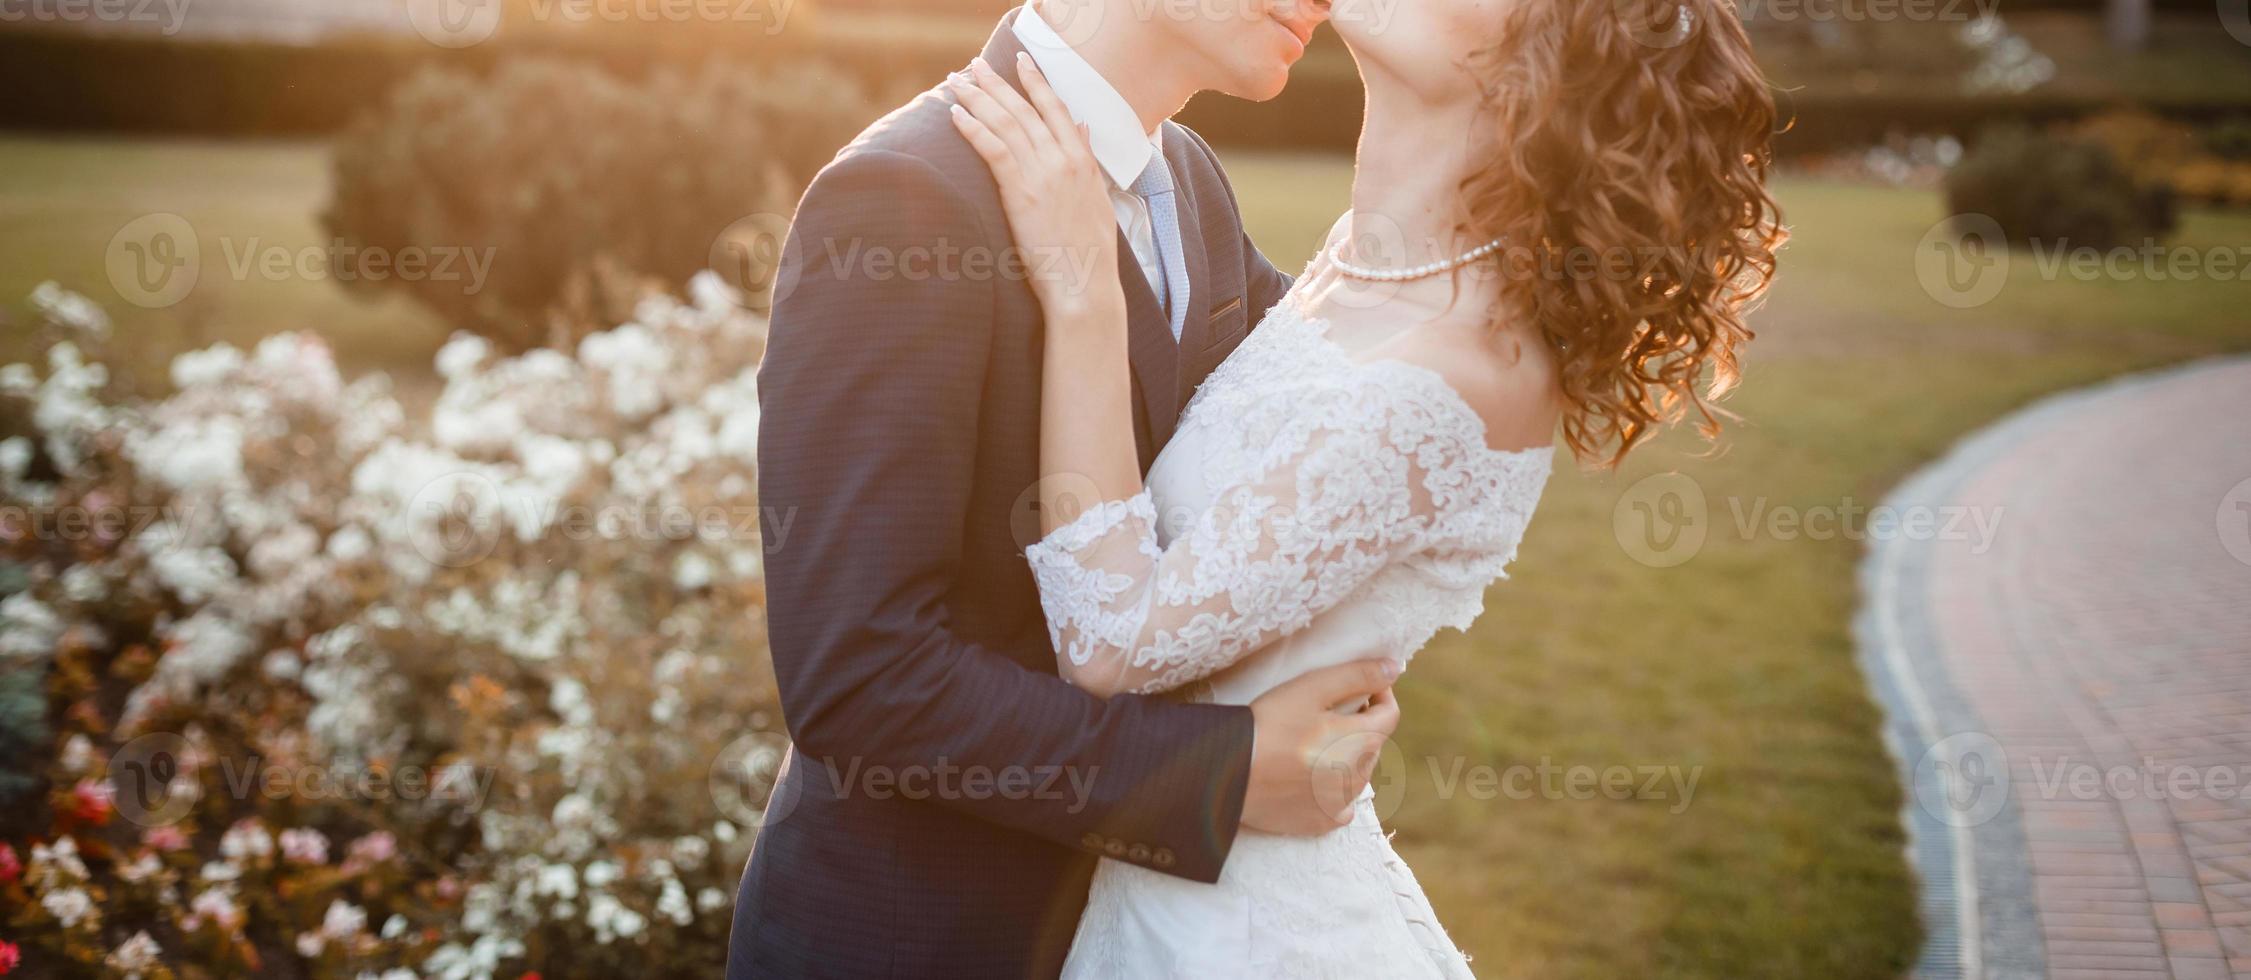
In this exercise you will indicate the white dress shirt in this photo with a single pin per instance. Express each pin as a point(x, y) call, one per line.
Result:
point(1121, 146)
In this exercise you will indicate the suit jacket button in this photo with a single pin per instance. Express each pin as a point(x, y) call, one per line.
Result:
point(1092, 840)
point(1138, 853)
point(1164, 857)
point(1115, 848)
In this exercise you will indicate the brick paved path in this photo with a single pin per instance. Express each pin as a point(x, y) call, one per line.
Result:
point(2097, 650)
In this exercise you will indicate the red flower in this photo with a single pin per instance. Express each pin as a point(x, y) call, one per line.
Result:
point(529, 975)
point(10, 868)
point(10, 955)
point(92, 802)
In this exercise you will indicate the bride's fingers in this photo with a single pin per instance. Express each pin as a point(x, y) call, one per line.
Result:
point(997, 120)
point(1069, 136)
point(1036, 134)
point(981, 138)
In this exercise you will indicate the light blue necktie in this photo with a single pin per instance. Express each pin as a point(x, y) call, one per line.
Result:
point(1154, 187)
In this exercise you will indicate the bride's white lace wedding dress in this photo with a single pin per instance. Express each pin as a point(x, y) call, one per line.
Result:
point(1312, 507)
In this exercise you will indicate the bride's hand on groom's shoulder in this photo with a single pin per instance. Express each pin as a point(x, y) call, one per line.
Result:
point(1056, 196)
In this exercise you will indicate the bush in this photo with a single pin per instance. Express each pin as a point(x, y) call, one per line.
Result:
point(573, 184)
point(2055, 190)
point(284, 575)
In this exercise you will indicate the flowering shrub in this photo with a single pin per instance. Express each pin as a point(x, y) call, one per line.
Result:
point(319, 689)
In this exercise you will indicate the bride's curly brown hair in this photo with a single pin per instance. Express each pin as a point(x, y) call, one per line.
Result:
point(1630, 131)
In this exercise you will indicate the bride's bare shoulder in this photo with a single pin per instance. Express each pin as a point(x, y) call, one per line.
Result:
point(1507, 378)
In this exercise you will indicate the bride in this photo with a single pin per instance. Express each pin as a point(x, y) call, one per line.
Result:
point(1558, 217)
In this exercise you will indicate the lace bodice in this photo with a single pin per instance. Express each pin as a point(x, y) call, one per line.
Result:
point(1300, 482)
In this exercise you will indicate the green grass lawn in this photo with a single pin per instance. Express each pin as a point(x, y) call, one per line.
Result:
point(63, 200)
point(1736, 666)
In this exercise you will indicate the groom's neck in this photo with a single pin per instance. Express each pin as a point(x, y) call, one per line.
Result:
point(1131, 53)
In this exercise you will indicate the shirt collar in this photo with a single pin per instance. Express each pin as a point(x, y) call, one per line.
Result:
point(1120, 145)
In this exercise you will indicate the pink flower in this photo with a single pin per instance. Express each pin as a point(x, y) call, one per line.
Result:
point(371, 850)
point(92, 802)
point(10, 867)
point(10, 955)
point(166, 838)
point(304, 845)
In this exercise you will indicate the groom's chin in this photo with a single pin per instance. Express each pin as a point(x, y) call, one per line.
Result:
point(1264, 88)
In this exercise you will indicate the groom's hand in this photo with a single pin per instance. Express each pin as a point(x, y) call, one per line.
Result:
point(1309, 762)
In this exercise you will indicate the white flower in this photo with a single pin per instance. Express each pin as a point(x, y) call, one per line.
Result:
point(136, 957)
point(691, 571)
point(710, 899)
point(15, 454)
point(142, 868)
point(461, 355)
point(601, 874)
point(193, 574)
point(83, 583)
point(557, 880)
point(208, 366)
point(216, 906)
point(393, 928)
point(69, 906)
point(350, 543)
point(672, 903)
point(343, 920)
point(304, 845)
point(610, 919)
point(77, 754)
point(246, 841)
point(70, 309)
point(27, 627)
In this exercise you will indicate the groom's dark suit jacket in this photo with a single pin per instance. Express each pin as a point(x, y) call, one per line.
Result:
point(948, 793)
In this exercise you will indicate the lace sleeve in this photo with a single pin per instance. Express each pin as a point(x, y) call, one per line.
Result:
point(1361, 476)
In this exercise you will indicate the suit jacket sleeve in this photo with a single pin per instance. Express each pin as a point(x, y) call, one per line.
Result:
point(870, 395)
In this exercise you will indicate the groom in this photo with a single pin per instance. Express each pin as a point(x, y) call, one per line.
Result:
point(948, 794)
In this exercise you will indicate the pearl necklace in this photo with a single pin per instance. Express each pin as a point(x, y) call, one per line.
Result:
point(1424, 271)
